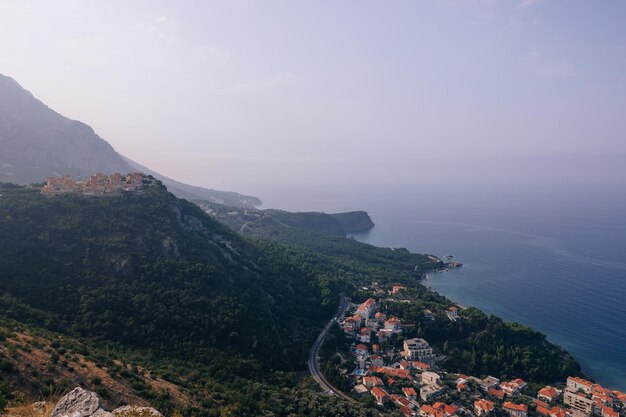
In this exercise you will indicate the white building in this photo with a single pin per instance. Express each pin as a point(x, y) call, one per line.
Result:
point(419, 349)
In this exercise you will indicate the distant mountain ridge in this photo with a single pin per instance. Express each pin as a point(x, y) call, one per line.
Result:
point(36, 142)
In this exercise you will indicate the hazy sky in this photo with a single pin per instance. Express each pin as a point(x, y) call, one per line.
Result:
point(246, 94)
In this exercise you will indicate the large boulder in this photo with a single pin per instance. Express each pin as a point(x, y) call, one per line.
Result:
point(133, 411)
point(79, 403)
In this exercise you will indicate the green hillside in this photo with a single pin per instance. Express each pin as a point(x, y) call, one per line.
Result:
point(176, 309)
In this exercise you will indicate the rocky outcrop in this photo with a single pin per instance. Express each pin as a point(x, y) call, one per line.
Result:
point(83, 403)
point(354, 221)
point(78, 403)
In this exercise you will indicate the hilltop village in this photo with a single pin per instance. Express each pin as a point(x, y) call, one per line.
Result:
point(403, 373)
point(97, 184)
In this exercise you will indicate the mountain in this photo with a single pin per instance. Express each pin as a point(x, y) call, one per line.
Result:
point(36, 142)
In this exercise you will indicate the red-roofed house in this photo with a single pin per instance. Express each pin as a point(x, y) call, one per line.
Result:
point(380, 395)
point(516, 410)
point(410, 393)
point(576, 384)
point(609, 412)
point(372, 381)
point(368, 308)
point(376, 360)
point(361, 349)
point(496, 393)
point(406, 411)
point(400, 400)
point(548, 393)
point(483, 407)
point(394, 325)
point(513, 387)
point(430, 411)
point(559, 412)
point(545, 411)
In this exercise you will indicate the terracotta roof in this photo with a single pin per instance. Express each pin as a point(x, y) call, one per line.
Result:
point(558, 412)
point(399, 373)
point(409, 391)
point(496, 393)
point(516, 407)
point(361, 346)
point(549, 392)
point(401, 400)
point(367, 304)
point(406, 411)
point(484, 405)
point(543, 410)
point(379, 392)
point(609, 412)
point(581, 381)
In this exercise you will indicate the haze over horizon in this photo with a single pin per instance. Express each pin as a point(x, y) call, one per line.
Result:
point(250, 95)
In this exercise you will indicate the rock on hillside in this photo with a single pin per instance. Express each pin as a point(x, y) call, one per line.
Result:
point(79, 403)
point(82, 403)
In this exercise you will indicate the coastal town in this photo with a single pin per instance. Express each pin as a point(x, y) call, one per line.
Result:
point(404, 374)
point(96, 185)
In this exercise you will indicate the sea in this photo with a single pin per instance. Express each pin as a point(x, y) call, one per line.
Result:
point(552, 258)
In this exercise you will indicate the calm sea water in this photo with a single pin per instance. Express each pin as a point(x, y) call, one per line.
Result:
point(554, 262)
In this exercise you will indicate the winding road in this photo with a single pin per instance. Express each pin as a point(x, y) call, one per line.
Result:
point(314, 352)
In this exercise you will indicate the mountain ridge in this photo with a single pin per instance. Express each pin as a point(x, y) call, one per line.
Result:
point(37, 142)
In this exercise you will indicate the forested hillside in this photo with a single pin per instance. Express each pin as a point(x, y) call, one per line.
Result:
point(146, 297)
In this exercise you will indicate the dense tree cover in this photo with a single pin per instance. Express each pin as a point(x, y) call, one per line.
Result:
point(339, 255)
point(153, 274)
point(154, 280)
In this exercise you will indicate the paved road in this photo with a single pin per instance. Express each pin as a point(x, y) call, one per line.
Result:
point(314, 352)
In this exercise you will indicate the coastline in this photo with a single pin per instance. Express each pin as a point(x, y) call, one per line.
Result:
point(499, 279)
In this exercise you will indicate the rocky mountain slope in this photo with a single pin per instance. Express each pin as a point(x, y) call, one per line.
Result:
point(36, 142)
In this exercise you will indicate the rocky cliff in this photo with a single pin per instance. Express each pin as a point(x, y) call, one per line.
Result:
point(354, 221)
